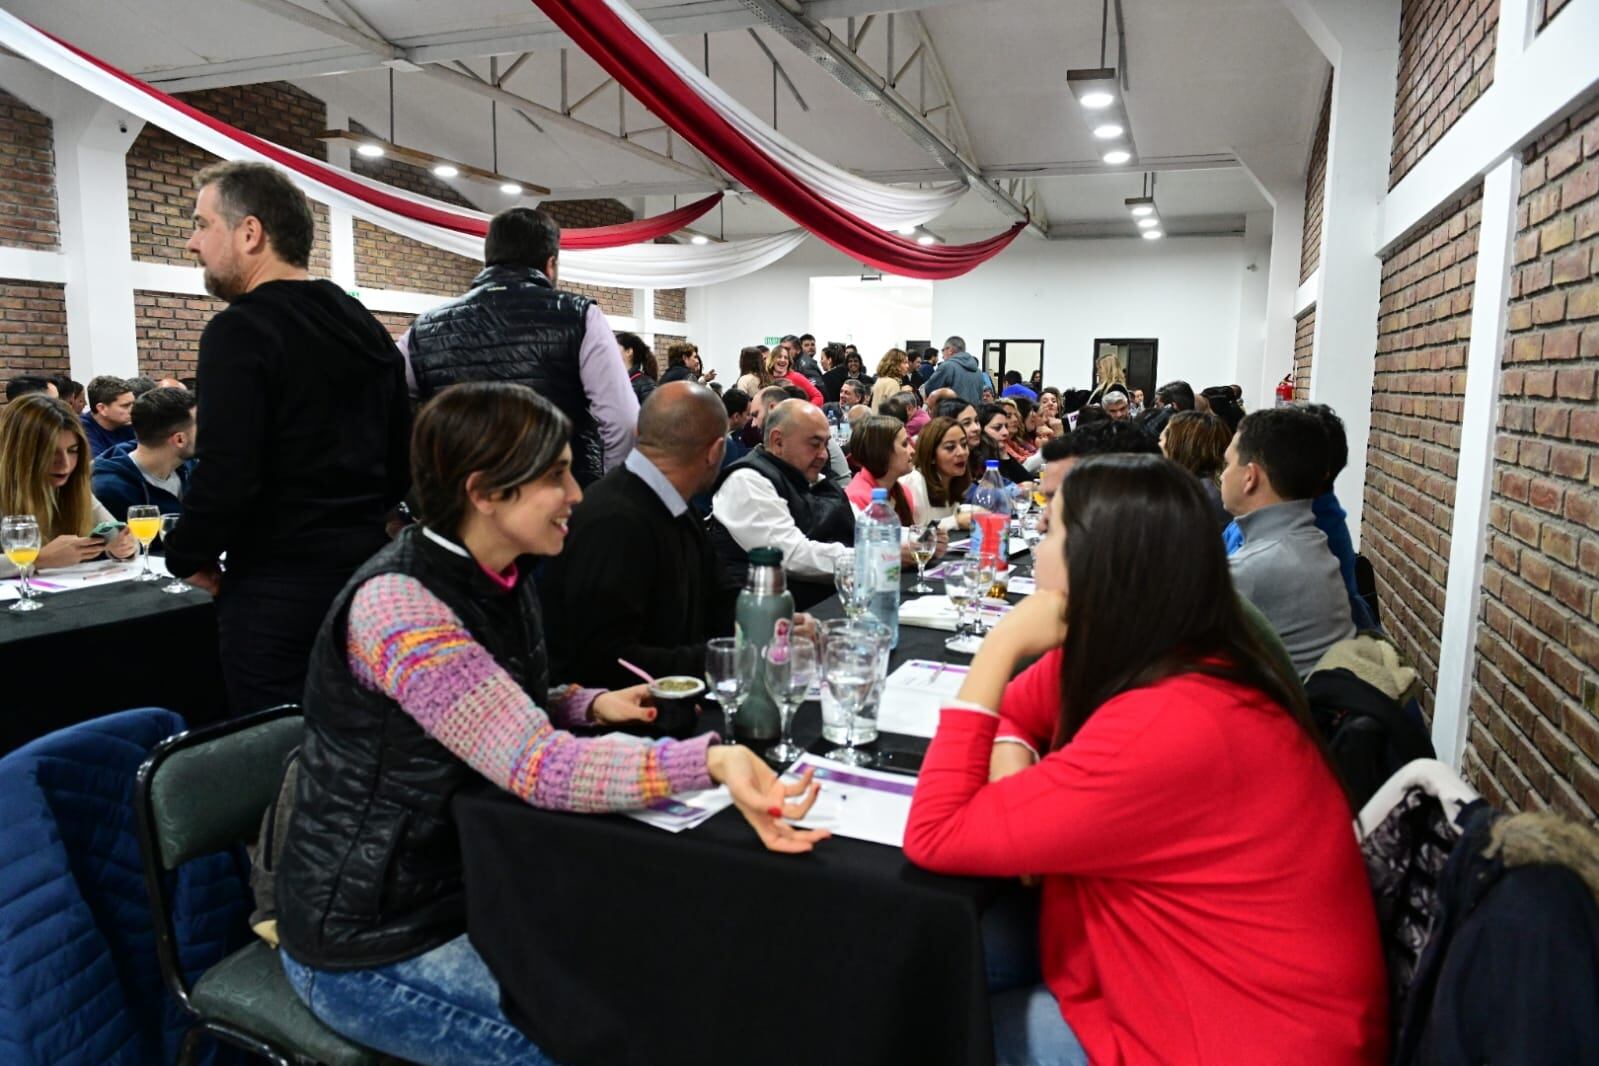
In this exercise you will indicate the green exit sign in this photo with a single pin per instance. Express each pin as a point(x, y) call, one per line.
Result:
point(772, 342)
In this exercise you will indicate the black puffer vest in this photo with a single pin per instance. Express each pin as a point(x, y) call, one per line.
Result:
point(821, 511)
point(371, 866)
point(512, 325)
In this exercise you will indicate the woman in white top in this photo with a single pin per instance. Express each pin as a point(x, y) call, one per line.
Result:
point(44, 472)
point(937, 487)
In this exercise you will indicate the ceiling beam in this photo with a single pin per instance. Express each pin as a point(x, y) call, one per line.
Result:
point(534, 34)
point(377, 46)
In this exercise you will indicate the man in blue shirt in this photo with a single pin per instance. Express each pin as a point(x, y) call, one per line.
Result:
point(155, 468)
point(1014, 387)
point(109, 419)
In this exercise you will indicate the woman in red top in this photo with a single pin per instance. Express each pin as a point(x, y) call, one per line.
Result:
point(1204, 900)
point(778, 370)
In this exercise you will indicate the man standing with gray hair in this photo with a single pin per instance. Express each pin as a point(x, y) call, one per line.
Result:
point(306, 442)
point(960, 371)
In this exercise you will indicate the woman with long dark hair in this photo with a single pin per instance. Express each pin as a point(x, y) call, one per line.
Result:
point(430, 674)
point(1203, 899)
point(937, 487)
point(642, 368)
point(995, 423)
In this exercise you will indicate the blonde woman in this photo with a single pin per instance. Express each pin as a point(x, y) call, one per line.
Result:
point(44, 471)
point(1107, 372)
point(892, 370)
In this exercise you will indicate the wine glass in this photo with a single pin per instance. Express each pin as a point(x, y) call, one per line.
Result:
point(19, 537)
point(846, 579)
point(169, 522)
point(729, 666)
point(790, 669)
point(984, 572)
point(958, 579)
point(144, 522)
point(924, 542)
point(850, 673)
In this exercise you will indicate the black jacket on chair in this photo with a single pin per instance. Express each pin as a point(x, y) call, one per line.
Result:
point(371, 866)
point(513, 325)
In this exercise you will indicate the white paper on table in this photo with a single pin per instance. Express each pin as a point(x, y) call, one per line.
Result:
point(857, 802)
point(9, 591)
point(914, 694)
point(1021, 586)
point(937, 612)
point(1016, 545)
point(684, 810)
point(95, 573)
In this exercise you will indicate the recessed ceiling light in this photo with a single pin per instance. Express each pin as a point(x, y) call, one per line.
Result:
point(925, 239)
point(905, 231)
point(1148, 223)
point(445, 170)
point(1152, 235)
point(1117, 156)
point(511, 188)
point(1143, 209)
point(1107, 131)
point(1096, 100)
point(699, 238)
point(371, 151)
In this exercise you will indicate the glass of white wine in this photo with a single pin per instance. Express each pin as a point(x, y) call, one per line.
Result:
point(924, 542)
point(169, 522)
point(19, 537)
point(144, 522)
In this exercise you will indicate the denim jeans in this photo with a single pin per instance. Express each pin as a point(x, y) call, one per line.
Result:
point(1028, 1027)
point(440, 1007)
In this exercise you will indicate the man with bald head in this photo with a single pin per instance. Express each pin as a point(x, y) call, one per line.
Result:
point(638, 579)
point(776, 497)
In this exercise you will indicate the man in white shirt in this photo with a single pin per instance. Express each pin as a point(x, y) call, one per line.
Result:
point(776, 497)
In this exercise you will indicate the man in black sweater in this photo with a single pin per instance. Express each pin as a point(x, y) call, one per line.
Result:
point(306, 438)
point(638, 580)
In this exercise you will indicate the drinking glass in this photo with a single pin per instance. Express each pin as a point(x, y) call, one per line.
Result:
point(144, 522)
point(851, 595)
point(1030, 532)
point(169, 522)
point(729, 666)
point(19, 537)
point(924, 542)
point(790, 669)
point(850, 672)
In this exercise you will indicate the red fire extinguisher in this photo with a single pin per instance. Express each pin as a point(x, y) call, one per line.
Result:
point(1285, 391)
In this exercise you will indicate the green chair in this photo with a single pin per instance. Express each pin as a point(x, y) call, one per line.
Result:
point(198, 793)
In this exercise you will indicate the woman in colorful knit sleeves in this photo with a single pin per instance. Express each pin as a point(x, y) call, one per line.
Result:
point(1203, 898)
point(429, 673)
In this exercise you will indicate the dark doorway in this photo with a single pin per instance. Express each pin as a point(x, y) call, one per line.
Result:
point(1138, 357)
point(1024, 357)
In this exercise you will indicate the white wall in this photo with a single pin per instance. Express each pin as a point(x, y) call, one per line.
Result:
point(1184, 291)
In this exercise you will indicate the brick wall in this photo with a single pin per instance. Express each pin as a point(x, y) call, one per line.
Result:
point(1423, 327)
point(1446, 60)
point(385, 260)
point(664, 341)
point(167, 328)
point(1315, 192)
point(33, 329)
point(1534, 738)
point(394, 321)
point(161, 167)
point(28, 213)
point(671, 305)
point(586, 214)
point(1304, 344)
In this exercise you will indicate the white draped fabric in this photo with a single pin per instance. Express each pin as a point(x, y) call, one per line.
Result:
point(633, 266)
point(889, 206)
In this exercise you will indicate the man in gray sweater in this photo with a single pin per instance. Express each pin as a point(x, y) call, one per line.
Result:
point(1275, 464)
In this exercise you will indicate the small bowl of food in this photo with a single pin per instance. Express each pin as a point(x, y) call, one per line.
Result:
point(677, 705)
point(677, 687)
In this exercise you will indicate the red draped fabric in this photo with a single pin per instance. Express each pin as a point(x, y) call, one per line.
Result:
point(607, 40)
point(639, 231)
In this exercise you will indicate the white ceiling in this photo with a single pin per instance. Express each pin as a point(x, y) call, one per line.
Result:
point(1207, 78)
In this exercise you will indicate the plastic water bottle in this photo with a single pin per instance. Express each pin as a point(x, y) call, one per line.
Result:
point(877, 559)
point(992, 495)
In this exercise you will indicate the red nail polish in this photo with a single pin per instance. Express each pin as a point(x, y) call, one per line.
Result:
point(775, 812)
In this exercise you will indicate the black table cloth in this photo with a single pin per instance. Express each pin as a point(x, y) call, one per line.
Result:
point(617, 943)
point(92, 651)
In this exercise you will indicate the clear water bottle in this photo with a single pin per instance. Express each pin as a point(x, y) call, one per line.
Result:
point(763, 602)
point(877, 559)
point(992, 495)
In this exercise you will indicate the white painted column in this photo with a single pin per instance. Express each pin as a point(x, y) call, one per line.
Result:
point(644, 315)
point(1468, 534)
point(1361, 39)
point(91, 146)
point(341, 223)
point(1254, 294)
point(1284, 188)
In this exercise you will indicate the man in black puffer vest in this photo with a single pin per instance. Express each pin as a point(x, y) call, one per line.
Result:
point(515, 325)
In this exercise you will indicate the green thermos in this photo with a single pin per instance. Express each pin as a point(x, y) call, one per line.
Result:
point(764, 600)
